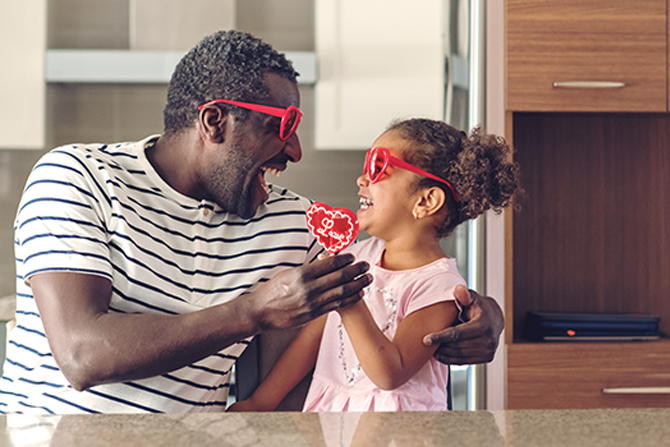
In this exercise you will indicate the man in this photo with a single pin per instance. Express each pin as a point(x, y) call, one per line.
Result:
point(143, 268)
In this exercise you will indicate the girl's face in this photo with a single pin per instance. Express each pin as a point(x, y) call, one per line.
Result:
point(387, 205)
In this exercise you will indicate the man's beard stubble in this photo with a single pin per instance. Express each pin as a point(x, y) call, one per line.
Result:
point(231, 184)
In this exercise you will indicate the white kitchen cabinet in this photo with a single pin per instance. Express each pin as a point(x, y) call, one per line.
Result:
point(22, 88)
point(378, 60)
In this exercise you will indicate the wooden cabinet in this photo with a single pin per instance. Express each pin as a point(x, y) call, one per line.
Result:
point(592, 235)
point(593, 232)
point(589, 375)
point(587, 55)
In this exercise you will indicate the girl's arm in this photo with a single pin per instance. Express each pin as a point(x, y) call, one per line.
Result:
point(294, 364)
point(388, 363)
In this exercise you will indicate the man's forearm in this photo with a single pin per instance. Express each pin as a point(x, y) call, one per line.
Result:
point(121, 347)
point(92, 345)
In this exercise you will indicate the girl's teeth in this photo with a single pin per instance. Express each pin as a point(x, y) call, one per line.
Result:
point(365, 203)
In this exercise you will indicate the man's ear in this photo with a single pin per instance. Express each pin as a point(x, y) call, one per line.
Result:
point(212, 123)
point(429, 202)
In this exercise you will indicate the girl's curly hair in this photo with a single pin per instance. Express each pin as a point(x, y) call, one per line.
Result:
point(478, 166)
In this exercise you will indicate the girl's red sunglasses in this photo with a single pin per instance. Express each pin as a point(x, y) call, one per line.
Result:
point(378, 159)
point(290, 116)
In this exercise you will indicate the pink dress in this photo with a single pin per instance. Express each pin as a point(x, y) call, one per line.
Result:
point(339, 383)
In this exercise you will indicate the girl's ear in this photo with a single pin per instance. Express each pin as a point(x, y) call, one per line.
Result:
point(429, 202)
point(212, 124)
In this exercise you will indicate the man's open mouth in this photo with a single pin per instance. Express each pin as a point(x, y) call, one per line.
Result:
point(269, 169)
point(274, 171)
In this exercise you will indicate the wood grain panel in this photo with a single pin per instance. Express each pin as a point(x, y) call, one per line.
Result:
point(592, 40)
point(588, 16)
point(573, 375)
point(593, 234)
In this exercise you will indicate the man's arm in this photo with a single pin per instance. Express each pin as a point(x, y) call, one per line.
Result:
point(475, 340)
point(93, 346)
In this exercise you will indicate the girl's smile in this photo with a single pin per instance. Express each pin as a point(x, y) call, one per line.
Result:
point(365, 203)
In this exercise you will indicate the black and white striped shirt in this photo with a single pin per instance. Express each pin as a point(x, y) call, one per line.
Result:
point(103, 210)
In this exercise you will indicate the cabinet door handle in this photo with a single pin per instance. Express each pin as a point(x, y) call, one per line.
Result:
point(589, 84)
point(638, 390)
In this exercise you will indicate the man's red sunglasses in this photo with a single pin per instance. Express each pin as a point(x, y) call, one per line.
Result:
point(378, 159)
point(290, 116)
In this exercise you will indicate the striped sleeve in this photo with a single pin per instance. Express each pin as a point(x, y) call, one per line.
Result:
point(61, 225)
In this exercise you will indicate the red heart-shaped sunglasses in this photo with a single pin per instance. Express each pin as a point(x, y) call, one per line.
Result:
point(290, 116)
point(378, 159)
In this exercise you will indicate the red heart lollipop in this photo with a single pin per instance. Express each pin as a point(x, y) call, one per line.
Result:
point(333, 228)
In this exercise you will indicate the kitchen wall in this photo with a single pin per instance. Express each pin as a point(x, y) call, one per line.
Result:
point(14, 167)
point(111, 113)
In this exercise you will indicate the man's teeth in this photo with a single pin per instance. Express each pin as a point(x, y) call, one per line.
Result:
point(261, 180)
point(274, 171)
point(365, 203)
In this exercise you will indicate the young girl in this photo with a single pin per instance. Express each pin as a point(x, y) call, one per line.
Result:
point(421, 179)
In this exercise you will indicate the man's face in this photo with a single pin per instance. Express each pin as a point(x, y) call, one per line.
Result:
point(236, 179)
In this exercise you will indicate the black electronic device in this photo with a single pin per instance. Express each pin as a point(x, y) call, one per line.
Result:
point(560, 326)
